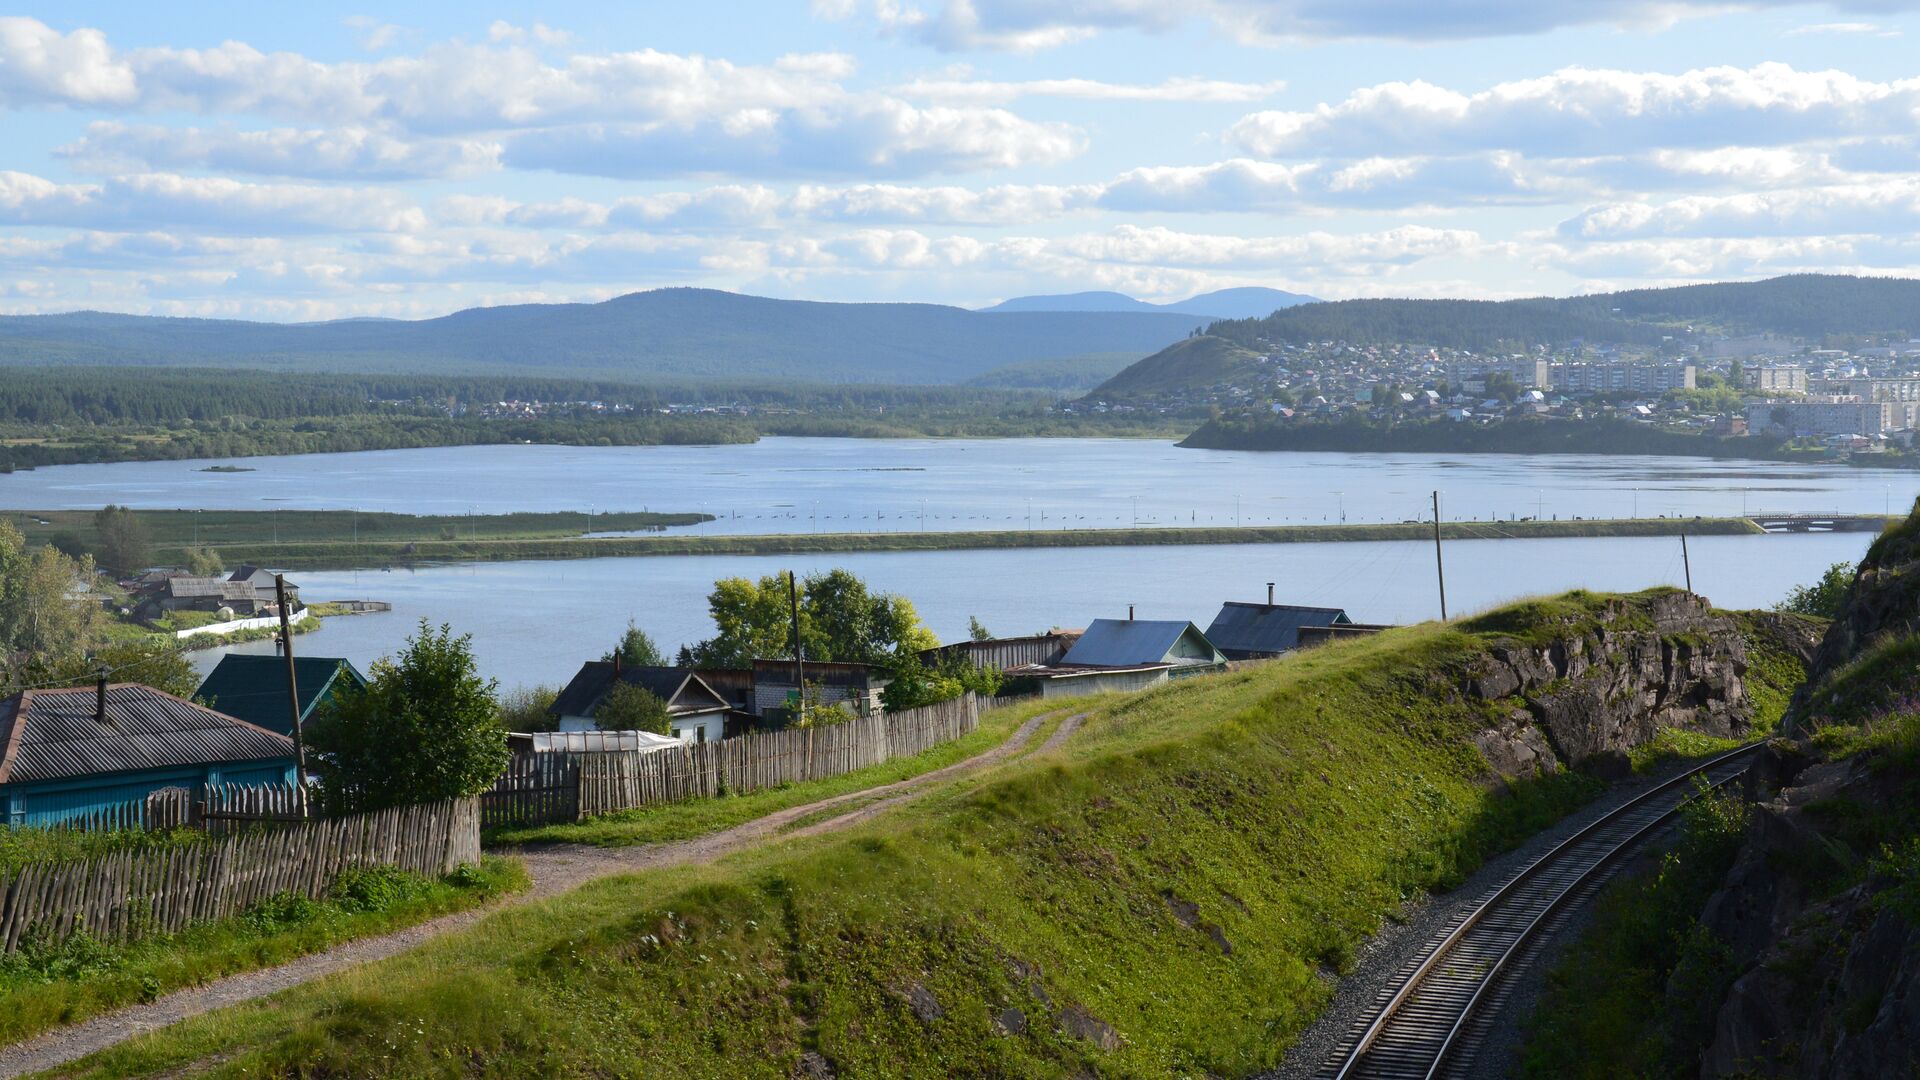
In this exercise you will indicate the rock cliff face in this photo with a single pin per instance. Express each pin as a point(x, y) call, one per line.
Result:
point(1608, 682)
point(1817, 917)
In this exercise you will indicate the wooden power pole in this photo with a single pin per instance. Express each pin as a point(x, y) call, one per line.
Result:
point(1439, 565)
point(799, 662)
point(293, 689)
point(1686, 563)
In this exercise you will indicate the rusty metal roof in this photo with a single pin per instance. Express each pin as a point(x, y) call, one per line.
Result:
point(52, 734)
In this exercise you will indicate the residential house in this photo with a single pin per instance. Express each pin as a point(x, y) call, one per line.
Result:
point(263, 585)
point(857, 686)
point(696, 711)
point(67, 753)
point(199, 594)
point(1117, 655)
point(1004, 653)
point(254, 688)
point(1248, 631)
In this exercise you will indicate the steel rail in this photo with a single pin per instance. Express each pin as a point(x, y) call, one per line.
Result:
point(1510, 890)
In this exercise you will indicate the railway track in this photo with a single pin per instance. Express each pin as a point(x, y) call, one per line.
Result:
point(1429, 1022)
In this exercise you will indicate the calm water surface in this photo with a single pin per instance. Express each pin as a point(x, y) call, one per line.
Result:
point(858, 485)
point(534, 622)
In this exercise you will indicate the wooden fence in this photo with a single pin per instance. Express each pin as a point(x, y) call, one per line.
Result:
point(219, 809)
point(127, 894)
point(542, 788)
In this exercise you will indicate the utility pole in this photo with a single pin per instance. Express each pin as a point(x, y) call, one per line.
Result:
point(1439, 565)
point(1685, 563)
point(293, 689)
point(799, 663)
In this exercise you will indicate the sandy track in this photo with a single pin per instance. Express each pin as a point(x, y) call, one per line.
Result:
point(555, 869)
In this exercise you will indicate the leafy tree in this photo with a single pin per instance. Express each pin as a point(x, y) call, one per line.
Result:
point(121, 539)
point(44, 618)
point(628, 707)
point(976, 630)
point(751, 620)
point(915, 684)
point(840, 620)
point(427, 727)
point(204, 562)
point(1737, 375)
point(636, 649)
point(527, 708)
point(820, 712)
point(1824, 598)
point(162, 665)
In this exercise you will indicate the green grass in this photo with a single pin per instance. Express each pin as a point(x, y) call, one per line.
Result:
point(332, 550)
point(1296, 804)
point(46, 985)
point(698, 817)
point(20, 846)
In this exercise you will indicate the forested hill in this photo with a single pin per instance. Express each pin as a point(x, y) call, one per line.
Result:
point(688, 333)
point(1810, 306)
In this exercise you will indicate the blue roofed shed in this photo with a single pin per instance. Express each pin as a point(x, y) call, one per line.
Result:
point(254, 688)
point(1250, 631)
point(68, 753)
point(1133, 642)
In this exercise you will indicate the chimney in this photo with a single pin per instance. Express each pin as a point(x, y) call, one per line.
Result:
point(1269, 594)
point(100, 697)
point(616, 662)
point(1129, 612)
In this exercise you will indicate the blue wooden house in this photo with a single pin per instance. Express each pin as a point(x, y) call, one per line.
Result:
point(254, 688)
point(67, 753)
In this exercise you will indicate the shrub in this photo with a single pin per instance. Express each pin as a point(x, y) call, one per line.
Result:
point(376, 888)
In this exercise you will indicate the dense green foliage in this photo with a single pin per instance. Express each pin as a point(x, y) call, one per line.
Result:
point(1635, 997)
point(840, 620)
point(636, 649)
point(1804, 305)
point(1192, 365)
point(120, 540)
point(671, 332)
point(915, 684)
point(526, 708)
point(1823, 599)
point(628, 707)
point(425, 728)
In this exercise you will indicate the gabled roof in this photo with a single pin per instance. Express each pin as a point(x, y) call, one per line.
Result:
point(187, 588)
point(254, 688)
point(1136, 642)
point(1267, 628)
point(52, 734)
point(682, 689)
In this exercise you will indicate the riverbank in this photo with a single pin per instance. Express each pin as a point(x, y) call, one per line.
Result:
point(369, 554)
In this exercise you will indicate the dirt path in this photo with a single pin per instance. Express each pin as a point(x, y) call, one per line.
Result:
point(555, 869)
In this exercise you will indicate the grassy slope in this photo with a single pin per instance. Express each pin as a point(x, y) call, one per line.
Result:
point(1296, 804)
point(1192, 364)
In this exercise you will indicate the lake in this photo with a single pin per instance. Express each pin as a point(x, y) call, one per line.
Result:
point(535, 621)
point(862, 485)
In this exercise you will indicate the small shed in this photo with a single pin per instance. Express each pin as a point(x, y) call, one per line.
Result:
point(254, 688)
point(1141, 642)
point(70, 752)
point(1246, 631)
point(697, 712)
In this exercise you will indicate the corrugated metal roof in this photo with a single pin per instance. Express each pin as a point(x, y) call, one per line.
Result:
point(52, 734)
point(1266, 628)
point(1135, 642)
point(254, 688)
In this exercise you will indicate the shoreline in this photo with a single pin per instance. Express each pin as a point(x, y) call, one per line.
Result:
point(371, 555)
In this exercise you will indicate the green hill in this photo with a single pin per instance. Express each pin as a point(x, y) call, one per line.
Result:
point(1800, 305)
point(683, 333)
point(1193, 364)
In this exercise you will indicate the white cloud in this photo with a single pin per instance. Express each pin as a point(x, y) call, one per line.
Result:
point(39, 65)
point(213, 204)
point(1030, 25)
point(1184, 89)
point(375, 35)
point(1887, 207)
point(1875, 29)
point(337, 153)
point(1583, 111)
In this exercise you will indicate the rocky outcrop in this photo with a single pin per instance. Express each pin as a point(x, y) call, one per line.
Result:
point(1611, 681)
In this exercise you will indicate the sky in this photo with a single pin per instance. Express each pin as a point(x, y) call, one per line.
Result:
point(324, 161)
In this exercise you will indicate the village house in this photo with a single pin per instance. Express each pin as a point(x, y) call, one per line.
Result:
point(200, 594)
point(1117, 655)
point(1003, 653)
point(71, 752)
point(696, 711)
point(856, 686)
point(261, 581)
point(1248, 631)
point(254, 688)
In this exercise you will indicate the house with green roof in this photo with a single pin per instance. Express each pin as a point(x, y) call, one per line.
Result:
point(254, 687)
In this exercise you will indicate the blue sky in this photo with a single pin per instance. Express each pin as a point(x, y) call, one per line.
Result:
point(330, 161)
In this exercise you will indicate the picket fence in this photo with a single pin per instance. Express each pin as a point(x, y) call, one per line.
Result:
point(128, 894)
point(539, 789)
point(218, 809)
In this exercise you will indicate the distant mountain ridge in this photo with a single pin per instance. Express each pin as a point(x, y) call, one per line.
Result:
point(1251, 302)
point(679, 332)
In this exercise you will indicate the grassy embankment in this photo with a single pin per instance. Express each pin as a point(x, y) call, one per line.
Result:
point(45, 985)
point(321, 539)
point(1186, 869)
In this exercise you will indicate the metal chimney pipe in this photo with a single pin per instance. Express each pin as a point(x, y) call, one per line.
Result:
point(1129, 612)
point(100, 697)
point(1269, 594)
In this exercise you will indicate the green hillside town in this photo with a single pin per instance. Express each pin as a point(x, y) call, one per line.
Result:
point(898, 539)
